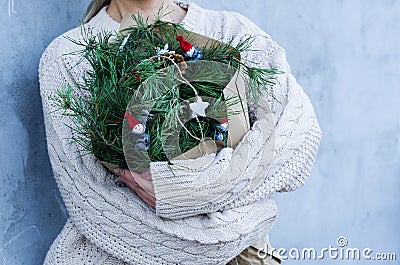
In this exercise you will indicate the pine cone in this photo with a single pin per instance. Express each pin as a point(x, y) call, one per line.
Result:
point(183, 66)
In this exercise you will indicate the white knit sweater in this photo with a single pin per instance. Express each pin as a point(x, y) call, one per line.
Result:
point(112, 225)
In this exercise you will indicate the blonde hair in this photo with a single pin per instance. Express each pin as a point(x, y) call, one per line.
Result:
point(94, 7)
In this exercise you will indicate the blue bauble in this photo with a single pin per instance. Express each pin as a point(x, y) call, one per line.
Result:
point(219, 136)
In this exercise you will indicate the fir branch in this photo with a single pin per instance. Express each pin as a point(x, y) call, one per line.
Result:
point(120, 68)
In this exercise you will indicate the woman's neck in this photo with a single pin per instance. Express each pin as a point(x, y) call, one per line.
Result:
point(147, 9)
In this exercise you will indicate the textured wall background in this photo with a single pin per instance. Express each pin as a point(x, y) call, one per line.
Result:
point(345, 55)
point(31, 209)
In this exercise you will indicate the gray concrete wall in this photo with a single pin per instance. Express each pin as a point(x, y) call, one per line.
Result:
point(31, 209)
point(344, 54)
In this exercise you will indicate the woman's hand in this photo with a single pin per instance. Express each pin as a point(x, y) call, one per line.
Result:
point(142, 184)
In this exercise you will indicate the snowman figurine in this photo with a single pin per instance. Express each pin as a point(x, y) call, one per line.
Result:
point(223, 125)
point(191, 53)
point(138, 128)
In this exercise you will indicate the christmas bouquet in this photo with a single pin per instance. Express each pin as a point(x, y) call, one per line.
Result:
point(157, 92)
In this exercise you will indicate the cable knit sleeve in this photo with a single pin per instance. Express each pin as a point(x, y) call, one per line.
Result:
point(276, 155)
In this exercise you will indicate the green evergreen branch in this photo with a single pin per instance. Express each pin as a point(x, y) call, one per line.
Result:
point(116, 76)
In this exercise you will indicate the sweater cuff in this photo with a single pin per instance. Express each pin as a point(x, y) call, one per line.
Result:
point(207, 184)
point(183, 187)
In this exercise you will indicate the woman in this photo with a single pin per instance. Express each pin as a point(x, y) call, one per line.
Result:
point(113, 225)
